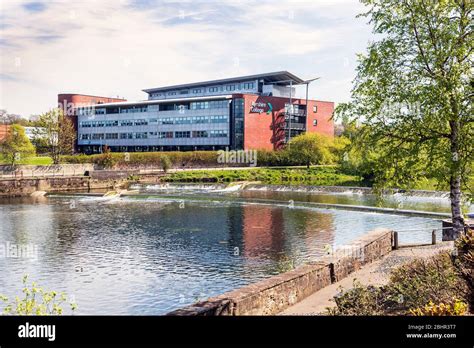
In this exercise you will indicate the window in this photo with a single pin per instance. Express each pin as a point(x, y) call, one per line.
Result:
point(166, 120)
point(85, 136)
point(183, 120)
point(249, 85)
point(184, 134)
point(165, 135)
point(97, 136)
point(126, 135)
point(111, 136)
point(125, 123)
point(200, 134)
point(230, 88)
point(200, 119)
point(218, 133)
point(315, 108)
point(197, 90)
point(171, 93)
point(213, 89)
point(218, 119)
point(213, 104)
point(153, 120)
point(186, 91)
point(315, 122)
point(143, 135)
point(141, 122)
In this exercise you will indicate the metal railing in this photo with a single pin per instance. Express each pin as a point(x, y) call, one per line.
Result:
point(396, 244)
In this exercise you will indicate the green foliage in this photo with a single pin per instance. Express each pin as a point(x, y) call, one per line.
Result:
point(413, 94)
point(106, 159)
point(36, 301)
point(166, 163)
point(435, 279)
point(320, 176)
point(431, 285)
point(16, 146)
point(58, 133)
point(312, 148)
point(465, 261)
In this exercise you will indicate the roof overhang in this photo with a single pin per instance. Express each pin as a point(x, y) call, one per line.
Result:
point(279, 77)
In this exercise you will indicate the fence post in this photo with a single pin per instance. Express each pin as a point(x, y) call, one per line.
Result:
point(395, 240)
point(433, 237)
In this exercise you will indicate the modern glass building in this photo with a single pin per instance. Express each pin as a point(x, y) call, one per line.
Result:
point(247, 112)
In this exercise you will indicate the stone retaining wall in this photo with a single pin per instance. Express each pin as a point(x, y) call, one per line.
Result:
point(20, 171)
point(26, 186)
point(275, 294)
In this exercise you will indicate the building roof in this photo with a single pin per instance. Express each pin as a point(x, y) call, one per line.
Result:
point(279, 77)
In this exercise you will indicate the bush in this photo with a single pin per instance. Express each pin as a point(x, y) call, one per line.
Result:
point(431, 309)
point(36, 301)
point(431, 286)
point(166, 163)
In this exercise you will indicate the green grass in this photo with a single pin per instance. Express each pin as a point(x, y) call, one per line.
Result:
point(36, 160)
point(320, 176)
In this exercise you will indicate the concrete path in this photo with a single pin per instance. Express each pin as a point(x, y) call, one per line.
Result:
point(375, 273)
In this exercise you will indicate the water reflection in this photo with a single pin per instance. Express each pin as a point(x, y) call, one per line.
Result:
point(149, 256)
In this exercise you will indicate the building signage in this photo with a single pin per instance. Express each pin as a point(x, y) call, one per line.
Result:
point(258, 107)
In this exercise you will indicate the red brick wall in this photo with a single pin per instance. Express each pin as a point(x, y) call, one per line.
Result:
point(65, 101)
point(266, 132)
point(84, 100)
point(4, 128)
point(323, 116)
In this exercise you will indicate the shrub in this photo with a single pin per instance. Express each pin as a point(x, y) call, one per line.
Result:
point(165, 163)
point(421, 287)
point(106, 159)
point(36, 301)
point(423, 280)
point(458, 307)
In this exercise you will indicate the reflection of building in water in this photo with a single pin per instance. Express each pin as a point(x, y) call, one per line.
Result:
point(263, 231)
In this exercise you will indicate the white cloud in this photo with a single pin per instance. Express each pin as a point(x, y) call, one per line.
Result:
point(111, 48)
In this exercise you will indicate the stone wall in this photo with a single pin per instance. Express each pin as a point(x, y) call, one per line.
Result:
point(20, 171)
point(276, 293)
point(26, 186)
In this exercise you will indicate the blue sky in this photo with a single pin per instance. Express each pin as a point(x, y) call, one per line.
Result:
point(118, 48)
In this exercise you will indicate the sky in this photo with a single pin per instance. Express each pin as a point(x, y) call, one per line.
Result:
point(119, 47)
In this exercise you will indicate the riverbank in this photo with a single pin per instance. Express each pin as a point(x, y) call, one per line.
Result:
point(376, 274)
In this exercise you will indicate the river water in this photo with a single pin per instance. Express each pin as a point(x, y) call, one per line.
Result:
point(164, 249)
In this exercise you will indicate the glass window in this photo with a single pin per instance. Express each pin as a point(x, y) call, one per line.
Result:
point(315, 108)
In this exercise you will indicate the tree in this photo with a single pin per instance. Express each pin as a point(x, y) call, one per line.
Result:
point(16, 145)
point(58, 132)
point(413, 93)
point(312, 148)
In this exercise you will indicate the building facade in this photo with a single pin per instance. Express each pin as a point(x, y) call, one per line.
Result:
point(249, 112)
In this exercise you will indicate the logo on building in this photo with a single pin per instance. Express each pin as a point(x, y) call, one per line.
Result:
point(258, 108)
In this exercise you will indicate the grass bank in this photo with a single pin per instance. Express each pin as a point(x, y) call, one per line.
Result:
point(35, 160)
point(320, 176)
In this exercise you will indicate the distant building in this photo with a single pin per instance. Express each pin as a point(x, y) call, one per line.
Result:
point(4, 129)
point(247, 112)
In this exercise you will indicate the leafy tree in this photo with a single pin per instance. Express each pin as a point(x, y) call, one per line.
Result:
point(16, 145)
point(413, 94)
point(166, 163)
point(312, 148)
point(59, 133)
